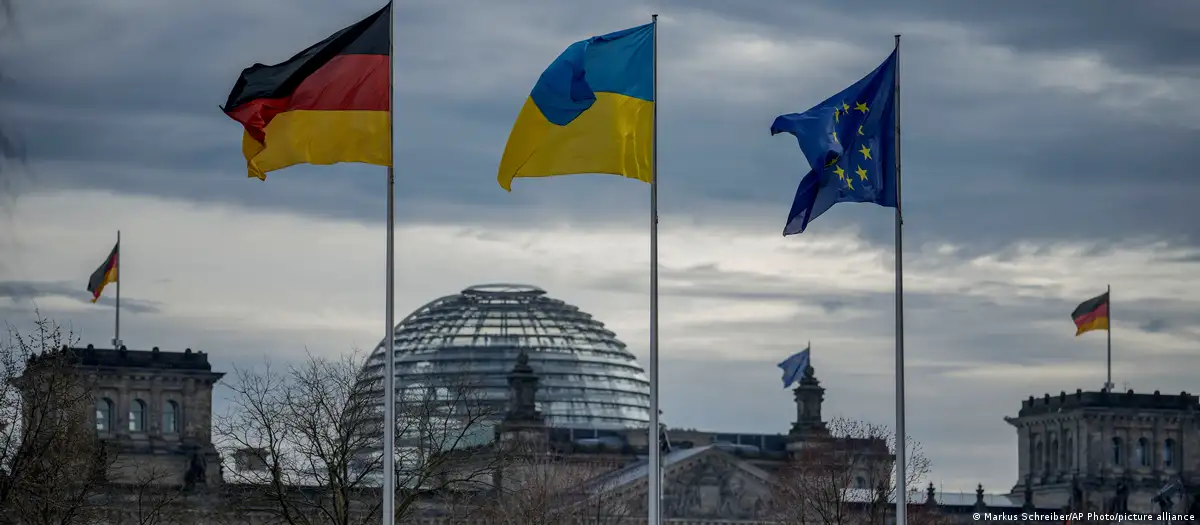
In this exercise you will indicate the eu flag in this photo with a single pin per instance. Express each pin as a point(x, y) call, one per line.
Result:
point(794, 367)
point(849, 141)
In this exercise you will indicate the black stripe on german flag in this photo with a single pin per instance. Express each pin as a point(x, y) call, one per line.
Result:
point(327, 104)
point(1091, 314)
point(106, 273)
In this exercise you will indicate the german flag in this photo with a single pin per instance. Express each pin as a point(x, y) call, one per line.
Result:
point(1091, 314)
point(106, 273)
point(328, 104)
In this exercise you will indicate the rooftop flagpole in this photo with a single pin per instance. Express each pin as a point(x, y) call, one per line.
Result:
point(901, 459)
point(389, 376)
point(654, 472)
point(1108, 384)
point(117, 311)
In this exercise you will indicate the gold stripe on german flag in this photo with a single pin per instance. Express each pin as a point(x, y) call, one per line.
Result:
point(328, 104)
point(1091, 314)
point(106, 273)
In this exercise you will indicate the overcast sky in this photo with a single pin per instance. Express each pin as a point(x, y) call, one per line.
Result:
point(1050, 149)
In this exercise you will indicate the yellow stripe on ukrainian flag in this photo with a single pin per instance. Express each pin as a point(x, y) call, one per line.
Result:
point(591, 111)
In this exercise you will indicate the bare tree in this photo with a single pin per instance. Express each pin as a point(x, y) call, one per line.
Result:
point(536, 486)
point(846, 477)
point(307, 442)
point(444, 438)
point(51, 464)
point(296, 437)
point(150, 499)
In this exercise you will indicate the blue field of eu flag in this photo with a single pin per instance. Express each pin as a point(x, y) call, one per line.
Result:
point(849, 141)
point(794, 367)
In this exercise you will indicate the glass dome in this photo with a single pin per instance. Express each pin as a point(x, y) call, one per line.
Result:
point(587, 378)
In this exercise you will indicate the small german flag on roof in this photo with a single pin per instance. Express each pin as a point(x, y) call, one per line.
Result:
point(1091, 314)
point(106, 273)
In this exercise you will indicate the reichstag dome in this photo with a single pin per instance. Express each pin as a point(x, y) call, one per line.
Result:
point(588, 380)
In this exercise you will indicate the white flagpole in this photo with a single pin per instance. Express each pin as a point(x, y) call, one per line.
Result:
point(1108, 384)
point(654, 472)
point(901, 460)
point(389, 375)
point(117, 311)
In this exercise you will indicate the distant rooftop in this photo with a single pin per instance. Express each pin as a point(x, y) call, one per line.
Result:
point(1105, 399)
point(154, 359)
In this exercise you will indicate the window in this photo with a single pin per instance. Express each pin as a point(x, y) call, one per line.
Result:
point(170, 417)
point(1039, 454)
point(1070, 450)
point(1116, 451)
point(137, 416)
point(1169, 453)
point(1052, 462)
point(104, 409)
point(860, 483)
point(1143, 458)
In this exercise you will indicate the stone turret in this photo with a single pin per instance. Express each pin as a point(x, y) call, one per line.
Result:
point(809, 396)
point(523, 421)
point(1086, 450)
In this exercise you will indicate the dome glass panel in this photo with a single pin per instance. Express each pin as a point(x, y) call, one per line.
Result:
point(587, 378)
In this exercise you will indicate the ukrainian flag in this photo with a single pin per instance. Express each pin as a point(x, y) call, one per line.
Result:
point(591, 111)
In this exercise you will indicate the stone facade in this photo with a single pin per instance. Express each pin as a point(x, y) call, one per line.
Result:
point(154, 409)
point(1106, 451)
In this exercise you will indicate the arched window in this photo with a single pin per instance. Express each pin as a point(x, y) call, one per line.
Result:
point(1039, 453)
point(137, 416)
point(1169, 453)
point(104, 414)
point(1070, 451)
point(1116, 451)
point(1052, 463)
point(170, 417)
point(860, 483)
point(1143, 456)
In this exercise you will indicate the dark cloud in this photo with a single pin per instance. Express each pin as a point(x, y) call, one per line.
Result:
point(29, 291)
point(1154, 326)
point(1154, 37)
point(983, 164)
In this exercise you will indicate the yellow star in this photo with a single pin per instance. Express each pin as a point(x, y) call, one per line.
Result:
point(850, 183)
point(861, 107)
point(862, 174)
point(866, 152)
point(835, 139)
point(841, 173)
point(860, 130)
point(837, 113)
point(845, 107)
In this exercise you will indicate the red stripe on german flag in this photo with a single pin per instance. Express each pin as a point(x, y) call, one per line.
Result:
point(106, 273)
point(1091, 314)
point(328, 104)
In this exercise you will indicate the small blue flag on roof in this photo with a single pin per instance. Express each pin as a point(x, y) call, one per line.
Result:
point(794, 367)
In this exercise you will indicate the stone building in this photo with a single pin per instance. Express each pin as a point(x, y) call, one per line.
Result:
point(1106, 451)
point(154, 409)
point(155, 406)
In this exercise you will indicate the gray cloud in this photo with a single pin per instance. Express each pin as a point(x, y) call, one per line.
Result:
point(30, 291)
point(1153, 37)
point(984, 164)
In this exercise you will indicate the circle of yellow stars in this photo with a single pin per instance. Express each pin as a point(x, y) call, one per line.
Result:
point(845, 109)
